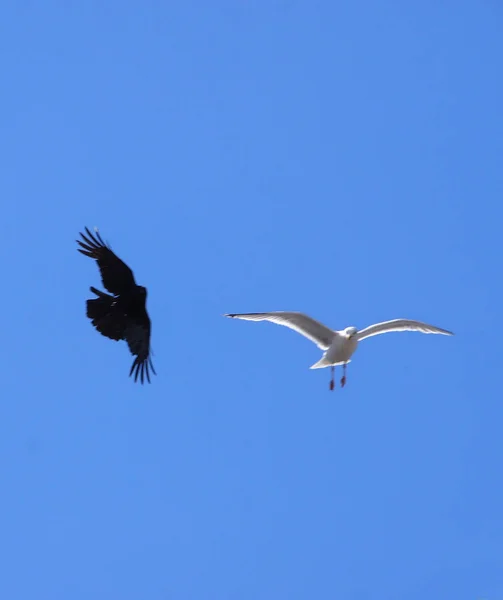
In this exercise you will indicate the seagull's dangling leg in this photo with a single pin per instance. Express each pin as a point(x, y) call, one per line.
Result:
point(332, 381)
point(343, 380)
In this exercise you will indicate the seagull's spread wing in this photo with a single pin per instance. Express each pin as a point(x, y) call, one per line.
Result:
point(313, 330)
point(400, 325)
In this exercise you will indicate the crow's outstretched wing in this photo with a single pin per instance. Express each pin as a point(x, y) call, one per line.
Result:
point(137, 336)
point(117, 277)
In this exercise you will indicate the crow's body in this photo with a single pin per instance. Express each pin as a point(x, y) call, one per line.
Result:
point(122, 315)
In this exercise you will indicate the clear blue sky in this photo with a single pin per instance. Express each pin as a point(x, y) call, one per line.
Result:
point(339, 158)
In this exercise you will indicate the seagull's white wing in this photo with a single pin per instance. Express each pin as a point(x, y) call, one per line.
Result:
point(316, 332)
point(400, 325)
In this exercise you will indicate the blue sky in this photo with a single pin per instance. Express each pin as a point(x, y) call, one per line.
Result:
point(342, 159)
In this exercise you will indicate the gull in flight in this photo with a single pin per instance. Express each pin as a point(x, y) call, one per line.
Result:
point(337, 346)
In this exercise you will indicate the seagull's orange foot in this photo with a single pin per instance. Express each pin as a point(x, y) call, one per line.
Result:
point(343, 381)
point(332, 385)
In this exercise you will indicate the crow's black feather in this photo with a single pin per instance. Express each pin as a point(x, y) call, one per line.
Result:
point(123, 315)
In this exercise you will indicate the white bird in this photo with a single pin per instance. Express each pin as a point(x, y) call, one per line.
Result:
point(338, 346)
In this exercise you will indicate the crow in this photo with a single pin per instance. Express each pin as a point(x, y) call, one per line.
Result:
point(122, 316)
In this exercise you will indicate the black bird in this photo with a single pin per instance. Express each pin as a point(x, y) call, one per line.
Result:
point(122, 316)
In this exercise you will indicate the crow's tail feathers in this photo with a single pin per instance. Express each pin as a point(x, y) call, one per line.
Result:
point(107, 321)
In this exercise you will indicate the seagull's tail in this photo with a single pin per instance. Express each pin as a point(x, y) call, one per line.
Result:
point(322, 363)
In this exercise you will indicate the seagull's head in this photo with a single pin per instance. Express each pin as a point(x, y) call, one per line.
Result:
point(350, 332)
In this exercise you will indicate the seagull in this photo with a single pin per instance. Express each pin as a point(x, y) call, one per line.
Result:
point(338, 346)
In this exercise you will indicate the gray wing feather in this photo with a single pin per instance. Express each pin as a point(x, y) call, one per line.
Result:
point(318, 333)
point(400, 325)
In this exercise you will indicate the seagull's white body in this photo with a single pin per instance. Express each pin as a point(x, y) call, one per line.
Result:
point(339, 352)
point(338, 346)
